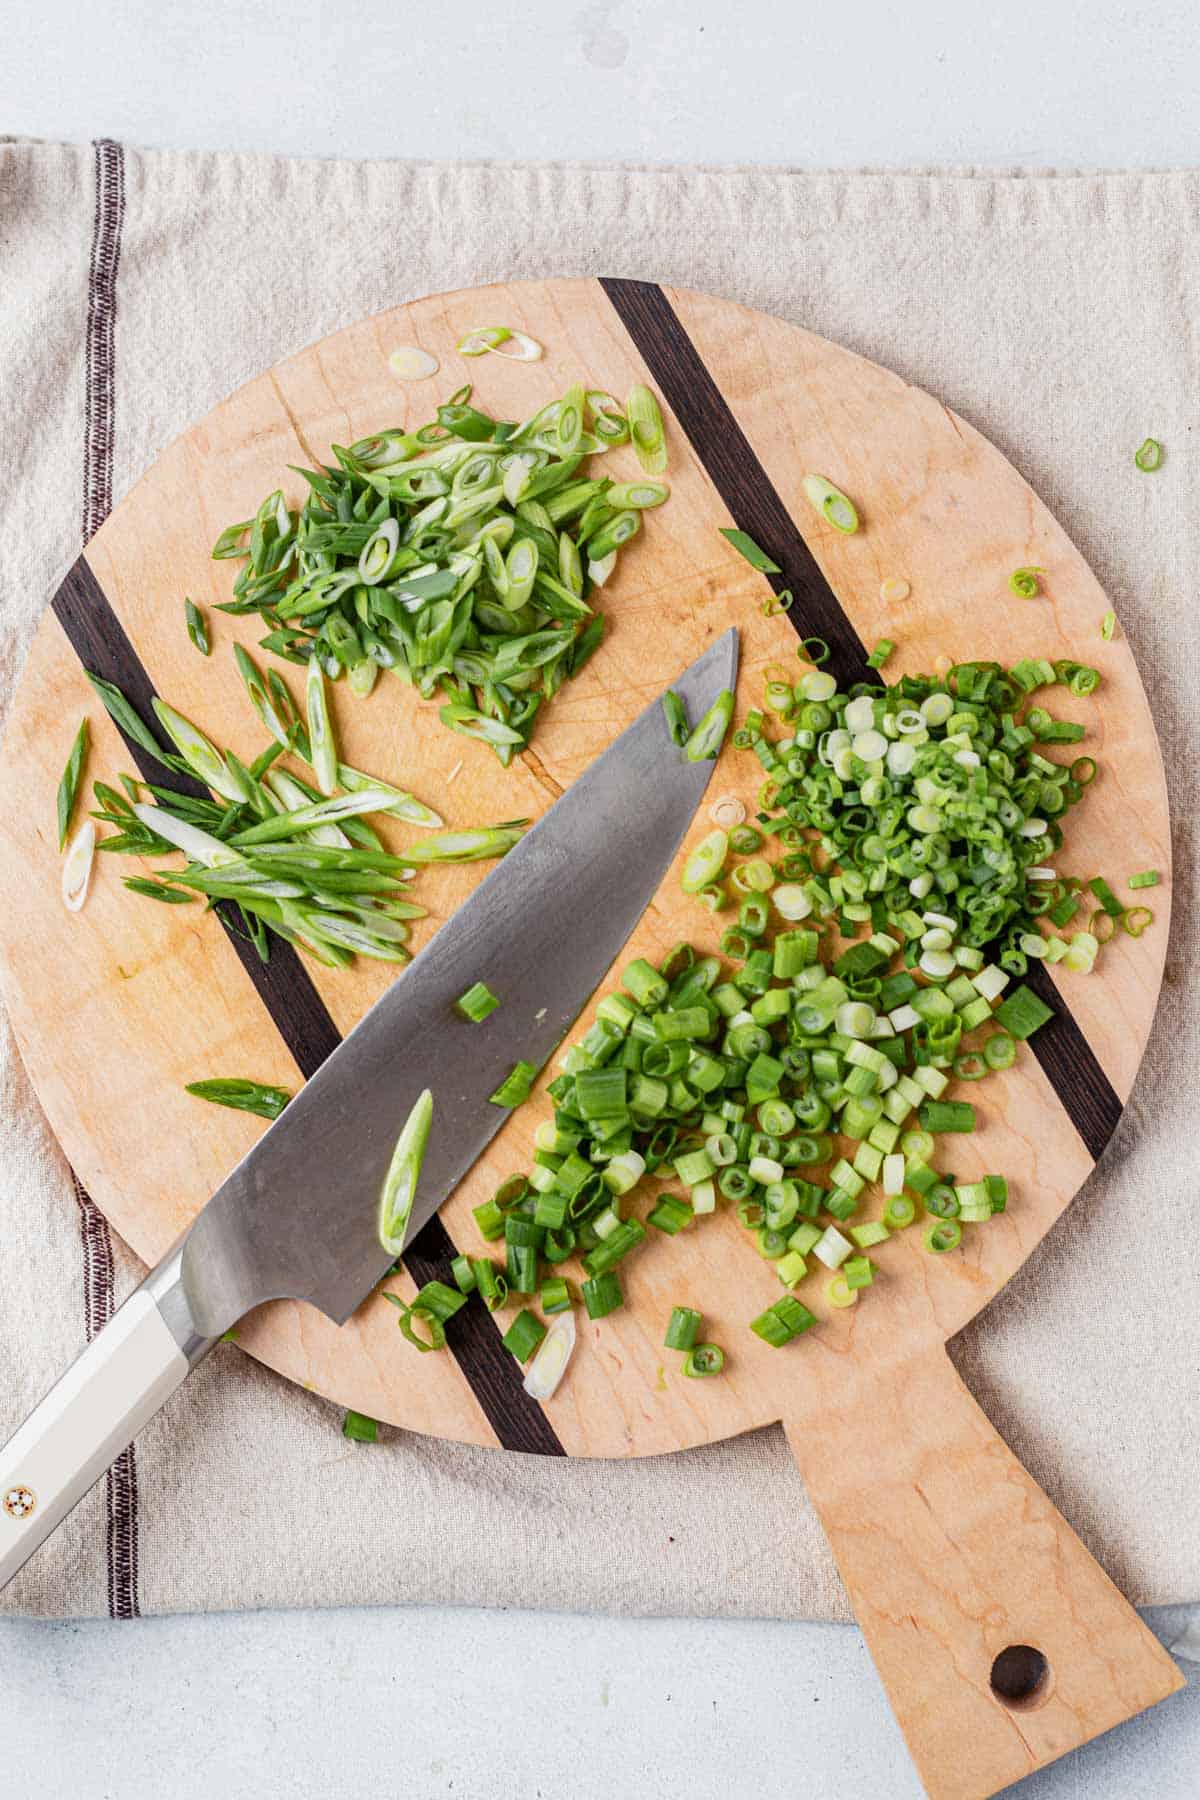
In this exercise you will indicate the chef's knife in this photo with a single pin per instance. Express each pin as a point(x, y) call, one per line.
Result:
point(298, 1217)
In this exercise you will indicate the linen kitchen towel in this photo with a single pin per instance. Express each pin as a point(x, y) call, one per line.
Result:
point(1059, 314)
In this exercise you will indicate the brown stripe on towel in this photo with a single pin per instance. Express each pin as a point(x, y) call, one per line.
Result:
point(99, 420)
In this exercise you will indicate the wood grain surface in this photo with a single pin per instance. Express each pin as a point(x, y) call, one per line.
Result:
point(116, 1008)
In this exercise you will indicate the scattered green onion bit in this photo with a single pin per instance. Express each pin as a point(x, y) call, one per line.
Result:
point(1147, 878)
point(477, 1002)
point(702, 1360)
point(880, 653)
point(256, 1097)
point(1108, 626)
point(1025, 584)
point(1149, 454)
point(360, 1429)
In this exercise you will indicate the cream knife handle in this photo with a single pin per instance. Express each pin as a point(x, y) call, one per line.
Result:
point(91, 1414)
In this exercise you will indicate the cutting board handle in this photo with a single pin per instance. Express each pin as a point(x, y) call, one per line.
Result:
point(952, 1555)
point(88, 1417)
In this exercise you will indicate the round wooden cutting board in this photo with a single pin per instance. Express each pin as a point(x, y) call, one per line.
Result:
point(949, 1550)
point(116, 1008)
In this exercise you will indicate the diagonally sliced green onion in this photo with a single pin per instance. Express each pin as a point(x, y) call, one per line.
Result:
point(157, 890)
point(202, 757)
point(706, 740)
point(482, 339)
point(477, 1003)
point(200, 845)
point(400, 1184)
point(646, 430)
point(68, 787)
point(831, 503)
point(256, 1097)
point(705, 863)
point(197, 630)
point(77, 866)
point(123, 715)
point(263, 703)
point(746, 546)
point(474, 845)
point(553, 1353)
point(320, 728)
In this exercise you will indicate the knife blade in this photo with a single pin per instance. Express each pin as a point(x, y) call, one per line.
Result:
point(298, 1217)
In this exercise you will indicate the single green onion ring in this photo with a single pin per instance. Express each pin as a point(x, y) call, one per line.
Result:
point(1149, 454)
point(1024, 583)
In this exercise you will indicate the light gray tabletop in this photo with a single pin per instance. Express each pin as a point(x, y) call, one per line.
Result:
point(496, 1706)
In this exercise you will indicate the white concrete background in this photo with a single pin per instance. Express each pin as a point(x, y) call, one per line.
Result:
point(500, 1706)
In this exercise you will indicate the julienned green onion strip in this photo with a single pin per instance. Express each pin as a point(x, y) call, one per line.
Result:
point(243, 1096)
point(462, 555)
point(477, 1002)
point(404, 1171)
point(68, 787)
point(746, 546)
point(1149, 454)
point(360, 1429)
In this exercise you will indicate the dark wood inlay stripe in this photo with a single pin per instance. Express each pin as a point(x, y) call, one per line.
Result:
point(675, 365)
point(300, 1015)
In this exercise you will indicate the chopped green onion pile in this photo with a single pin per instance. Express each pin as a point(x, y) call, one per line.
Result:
point(931, 807)
point(296, 858)
point(786, 1086)
point(461, 556)
point(910, 825)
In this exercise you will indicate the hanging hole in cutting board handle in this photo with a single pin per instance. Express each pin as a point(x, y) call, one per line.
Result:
point(1000, 1640)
